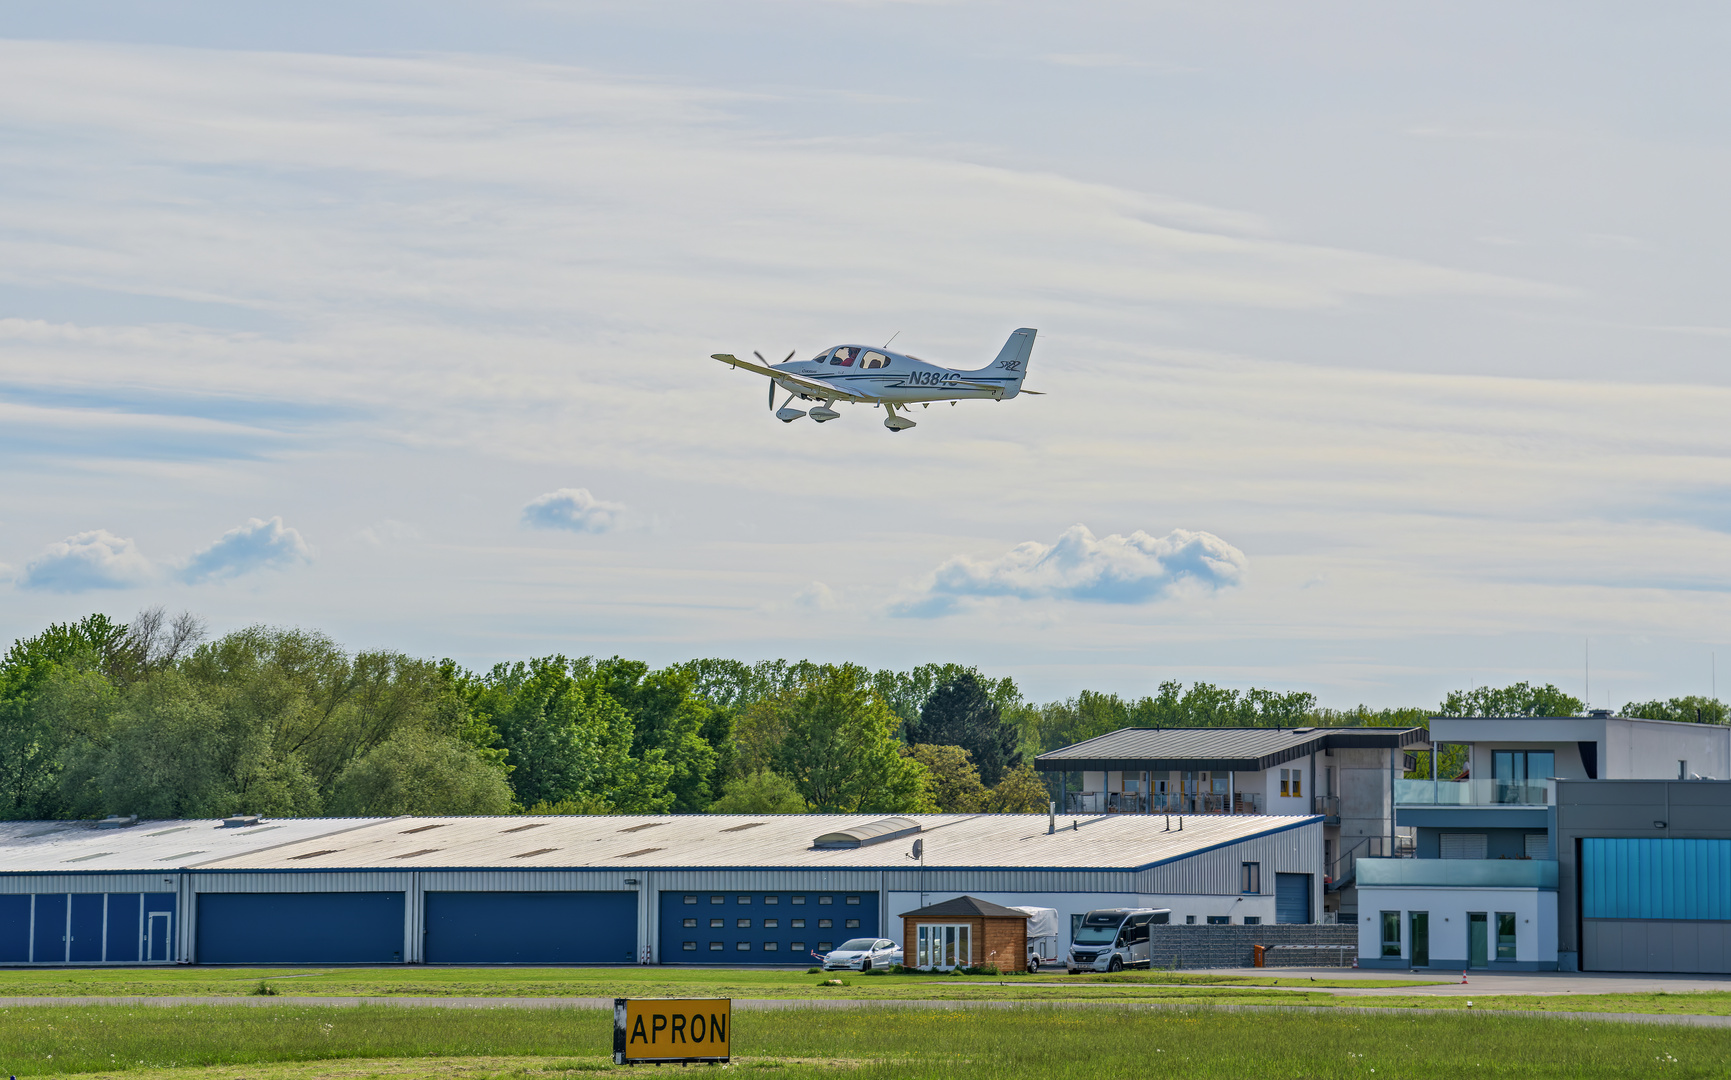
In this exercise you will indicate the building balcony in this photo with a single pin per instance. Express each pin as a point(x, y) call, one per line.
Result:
point(1127, 802)
point(1506, 793)
point(1457, 873)
point(1327, 807)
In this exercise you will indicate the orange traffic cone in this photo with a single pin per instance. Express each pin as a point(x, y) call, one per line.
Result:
point(1463, 978)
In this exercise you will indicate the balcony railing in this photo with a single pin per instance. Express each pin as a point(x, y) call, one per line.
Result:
point(1114, 802)
point(1431, 873)
point(1475, 792)
point(1326, 805)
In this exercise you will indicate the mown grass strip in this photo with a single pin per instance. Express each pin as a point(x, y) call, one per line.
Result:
point(601, 982)
point(942, 1044)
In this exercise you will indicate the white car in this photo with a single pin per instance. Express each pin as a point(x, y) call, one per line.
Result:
point(863, 954)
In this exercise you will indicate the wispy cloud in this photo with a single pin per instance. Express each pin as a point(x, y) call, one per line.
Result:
point(97, 559)
point(574, 510)
point(1080, 566)
point(258, 545)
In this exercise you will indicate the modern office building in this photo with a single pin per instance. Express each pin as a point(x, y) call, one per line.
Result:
point(1545, 803)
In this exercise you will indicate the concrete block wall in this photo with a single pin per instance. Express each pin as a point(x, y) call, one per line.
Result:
point(1230, 946)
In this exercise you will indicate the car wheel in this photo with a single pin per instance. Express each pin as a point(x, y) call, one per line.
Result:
point(1033, 965)
point(865, 966)
point(1115, 965)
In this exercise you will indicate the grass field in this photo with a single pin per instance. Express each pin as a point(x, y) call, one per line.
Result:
point(610, 982)
point(239, 1043)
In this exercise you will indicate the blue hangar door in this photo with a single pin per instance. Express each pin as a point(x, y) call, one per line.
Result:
point(531, 928)
point(762, 928)
point(300, 928)
point(1656, 904)
point(1291, 898)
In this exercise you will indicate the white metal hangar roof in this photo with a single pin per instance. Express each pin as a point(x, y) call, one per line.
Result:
point(804, 841)
point(37, 846)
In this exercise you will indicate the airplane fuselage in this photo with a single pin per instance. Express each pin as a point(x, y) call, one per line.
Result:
point(889, 376)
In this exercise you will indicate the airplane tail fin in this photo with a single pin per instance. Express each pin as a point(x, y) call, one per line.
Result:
point(1012, 362)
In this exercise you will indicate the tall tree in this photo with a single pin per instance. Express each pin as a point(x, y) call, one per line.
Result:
point(668, 716)
point(961, 713)
point(840, 749)
point(1520, 699)
point(420, 773)
point(1692, 709)
point(952, 783)
point(567, 739)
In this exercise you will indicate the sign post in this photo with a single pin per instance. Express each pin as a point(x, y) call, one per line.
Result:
point(672, 1031)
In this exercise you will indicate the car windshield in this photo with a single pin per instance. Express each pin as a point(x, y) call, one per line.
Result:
point(1096, 935)
point(858, 944)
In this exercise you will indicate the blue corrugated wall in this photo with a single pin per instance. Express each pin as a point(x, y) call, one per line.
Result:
point(762, 928)
point(531, 928)
point(300, 928)
point(1655, 879)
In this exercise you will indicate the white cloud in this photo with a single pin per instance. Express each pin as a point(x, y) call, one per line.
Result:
point(1114, 570)
point(818, 597)
point(573, 509)
point(257, 545)
point(88, 560)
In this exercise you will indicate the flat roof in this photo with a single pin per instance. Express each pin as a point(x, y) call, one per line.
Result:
point(1240, 749)
point(36, 846)
point(696, 841)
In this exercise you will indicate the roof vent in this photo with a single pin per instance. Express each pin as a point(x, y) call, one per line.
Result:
point(239, 821)
point(872, 832)
point(117, 821)
point(1601, 713)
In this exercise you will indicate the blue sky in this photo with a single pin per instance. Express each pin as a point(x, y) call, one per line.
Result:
point(1384, 349)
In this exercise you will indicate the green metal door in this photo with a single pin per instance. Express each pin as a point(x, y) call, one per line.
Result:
point(1477, 939)
point(1420, 938)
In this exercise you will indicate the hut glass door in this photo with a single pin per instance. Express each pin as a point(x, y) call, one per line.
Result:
point(943, 946)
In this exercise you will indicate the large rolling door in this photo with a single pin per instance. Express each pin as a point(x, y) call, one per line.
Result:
point(300, 928)
point(531, 928)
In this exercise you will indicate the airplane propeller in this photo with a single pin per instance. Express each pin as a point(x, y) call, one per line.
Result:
point(759, 355)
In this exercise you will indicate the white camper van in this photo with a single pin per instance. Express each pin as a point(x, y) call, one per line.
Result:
point(1042, 936)
point(1112, 939)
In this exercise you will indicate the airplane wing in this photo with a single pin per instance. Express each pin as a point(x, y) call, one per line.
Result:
point(815, 386)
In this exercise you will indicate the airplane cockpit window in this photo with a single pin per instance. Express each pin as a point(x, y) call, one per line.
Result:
point(820, 357)
point(843, 357)
point(874, 360)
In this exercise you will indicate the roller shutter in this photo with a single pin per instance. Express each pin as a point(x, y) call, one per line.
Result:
point(300, 928)
point(531, 928)
point(1292, 898)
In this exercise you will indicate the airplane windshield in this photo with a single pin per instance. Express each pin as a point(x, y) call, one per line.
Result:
point(843, 356)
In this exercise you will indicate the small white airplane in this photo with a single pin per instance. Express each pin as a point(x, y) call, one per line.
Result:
point(877, 376)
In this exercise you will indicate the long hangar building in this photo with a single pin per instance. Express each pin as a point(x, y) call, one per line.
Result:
point(608, 890)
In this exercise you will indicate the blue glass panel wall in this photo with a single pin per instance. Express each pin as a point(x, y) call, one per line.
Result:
point(1655, 878)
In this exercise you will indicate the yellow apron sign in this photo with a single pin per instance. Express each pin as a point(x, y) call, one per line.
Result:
point(671, 1029)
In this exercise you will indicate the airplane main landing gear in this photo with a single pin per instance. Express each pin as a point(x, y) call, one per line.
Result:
point(894, 422)
point(787, 414)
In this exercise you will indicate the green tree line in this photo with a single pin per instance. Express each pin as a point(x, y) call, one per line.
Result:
point(100, 717)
